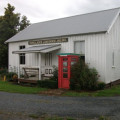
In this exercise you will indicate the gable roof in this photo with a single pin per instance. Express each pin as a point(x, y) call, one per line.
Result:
point(80, 24)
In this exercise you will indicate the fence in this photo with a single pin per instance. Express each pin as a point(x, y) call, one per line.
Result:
point(14, 69)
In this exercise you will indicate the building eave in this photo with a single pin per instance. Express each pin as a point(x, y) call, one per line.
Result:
point(56, 37)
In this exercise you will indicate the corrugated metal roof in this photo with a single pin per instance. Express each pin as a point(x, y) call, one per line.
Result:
point(79, 24)
point(40, 48)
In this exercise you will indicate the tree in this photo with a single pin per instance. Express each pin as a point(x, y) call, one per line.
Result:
point(10, 24)
point(24, 23)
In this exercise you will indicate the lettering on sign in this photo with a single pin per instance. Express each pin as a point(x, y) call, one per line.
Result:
point(34, 42)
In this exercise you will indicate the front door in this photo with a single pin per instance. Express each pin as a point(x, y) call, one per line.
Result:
point(65, 72)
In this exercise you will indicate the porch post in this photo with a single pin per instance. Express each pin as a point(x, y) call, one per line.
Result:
point(18, 66)
point(39, 66)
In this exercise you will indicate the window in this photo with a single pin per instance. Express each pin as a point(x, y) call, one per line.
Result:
point(48, 59)
point(79, 48)
point(22, 47)
point(22, 55)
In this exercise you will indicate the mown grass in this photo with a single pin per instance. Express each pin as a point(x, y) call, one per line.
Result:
point(113, 91)
point(9, 87)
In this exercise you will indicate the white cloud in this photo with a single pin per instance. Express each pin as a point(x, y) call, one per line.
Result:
point(41, 10)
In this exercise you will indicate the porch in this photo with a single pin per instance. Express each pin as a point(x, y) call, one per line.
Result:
point(44, 62)
point(32, 73)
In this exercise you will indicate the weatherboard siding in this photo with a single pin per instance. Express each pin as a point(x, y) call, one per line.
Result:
point(32, 59)
point(113, 45)
point(95, 50)
point(101, 49)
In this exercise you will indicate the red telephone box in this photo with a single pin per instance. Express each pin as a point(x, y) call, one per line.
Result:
point(65, 60)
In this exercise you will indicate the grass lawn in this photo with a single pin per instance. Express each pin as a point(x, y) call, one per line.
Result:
point(9, 87)
point(113, 91)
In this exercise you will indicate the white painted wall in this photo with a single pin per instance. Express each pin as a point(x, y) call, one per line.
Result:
point(99, 49)
point(98, 53)
point(95, 52)
point(32, 59)
point(113, 44)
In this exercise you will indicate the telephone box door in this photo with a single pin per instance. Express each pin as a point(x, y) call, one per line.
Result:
point(65, 72)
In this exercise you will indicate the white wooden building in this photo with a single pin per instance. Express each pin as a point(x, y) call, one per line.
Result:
point(96, 36)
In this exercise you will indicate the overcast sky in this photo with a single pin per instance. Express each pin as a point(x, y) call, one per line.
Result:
point(42, 10)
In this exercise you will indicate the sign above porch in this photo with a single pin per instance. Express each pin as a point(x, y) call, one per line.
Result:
point(35, 42)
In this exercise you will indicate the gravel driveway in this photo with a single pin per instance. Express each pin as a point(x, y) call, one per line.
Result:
point(14, 106)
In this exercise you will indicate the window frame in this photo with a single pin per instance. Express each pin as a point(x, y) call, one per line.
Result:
point(82, 56)
point(48, 59)
point(84, 46)
point(22, 57)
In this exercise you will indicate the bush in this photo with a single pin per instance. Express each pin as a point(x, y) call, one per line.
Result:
point(101, 85)
point(10, 75)
point(52, 82)
point(3, 71)
point(48, 84)
point(55, 74)
point(82, 77)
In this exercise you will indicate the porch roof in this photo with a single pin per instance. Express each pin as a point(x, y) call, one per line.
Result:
point(40, 49)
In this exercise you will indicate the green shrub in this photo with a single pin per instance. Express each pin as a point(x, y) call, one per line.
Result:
point(55, 74)
point(83, 77)
point(101, 85)
point(9, 75)
point(48, 84)
point(3, 71)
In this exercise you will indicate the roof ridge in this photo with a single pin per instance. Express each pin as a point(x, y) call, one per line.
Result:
point(76, 15)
